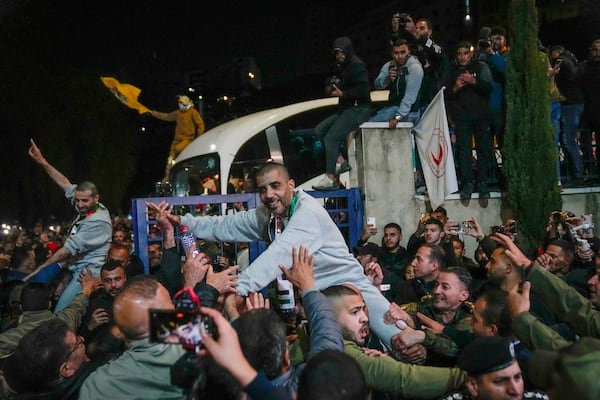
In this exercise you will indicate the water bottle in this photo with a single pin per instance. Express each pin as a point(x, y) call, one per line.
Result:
point(285, 295)
point(187, 239)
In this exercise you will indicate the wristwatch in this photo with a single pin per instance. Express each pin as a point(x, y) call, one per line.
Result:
point(398, 117)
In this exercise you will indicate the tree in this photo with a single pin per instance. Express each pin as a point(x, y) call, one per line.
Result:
point(529, 150)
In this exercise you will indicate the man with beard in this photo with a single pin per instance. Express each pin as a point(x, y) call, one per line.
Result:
point(98, 320)
point(155, 256)
point(90, 234)
point(383, 373)
point(285, 218)
point(431, 231)
point(448, 305)
point(567, 304)
point(393, 257)
point(508, 276)
point(469, 84)
point(426, 265)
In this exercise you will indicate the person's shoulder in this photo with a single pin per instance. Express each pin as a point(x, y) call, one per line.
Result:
point(456, 396)
point(535, 394)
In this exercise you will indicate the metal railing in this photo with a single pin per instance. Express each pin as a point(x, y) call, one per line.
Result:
point(345, 206)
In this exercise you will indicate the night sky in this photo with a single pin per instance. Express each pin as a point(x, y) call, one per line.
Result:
point(53, 54)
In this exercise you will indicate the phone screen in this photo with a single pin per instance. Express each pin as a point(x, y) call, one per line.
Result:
point(181, 327)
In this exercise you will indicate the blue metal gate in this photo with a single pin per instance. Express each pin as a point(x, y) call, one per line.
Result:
point(345, 206)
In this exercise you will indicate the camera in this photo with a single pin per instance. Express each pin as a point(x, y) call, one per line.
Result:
point(464, 227)
point(404, 18)
point(331, 83)
point(558, 216)
point(509, 228)
point(583, 244)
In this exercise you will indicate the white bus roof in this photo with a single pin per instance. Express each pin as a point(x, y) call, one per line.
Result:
point(233, 134)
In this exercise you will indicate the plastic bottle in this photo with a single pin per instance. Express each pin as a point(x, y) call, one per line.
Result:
point(187, 239)
point(285, 295)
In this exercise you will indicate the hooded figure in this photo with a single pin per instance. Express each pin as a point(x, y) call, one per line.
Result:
point(351, 85)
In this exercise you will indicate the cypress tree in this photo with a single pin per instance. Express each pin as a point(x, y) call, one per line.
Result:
point(529, 151)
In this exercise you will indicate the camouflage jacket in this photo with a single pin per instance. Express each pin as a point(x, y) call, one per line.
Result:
point(441, 343)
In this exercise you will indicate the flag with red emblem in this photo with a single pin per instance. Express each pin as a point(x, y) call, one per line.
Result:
point(432, 138)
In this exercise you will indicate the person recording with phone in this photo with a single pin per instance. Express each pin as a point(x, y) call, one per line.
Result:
point(402, 76)
point(131, 311)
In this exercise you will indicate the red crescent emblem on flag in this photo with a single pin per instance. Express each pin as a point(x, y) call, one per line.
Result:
point(437, 153)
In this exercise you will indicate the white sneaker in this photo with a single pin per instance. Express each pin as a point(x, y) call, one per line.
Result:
point(326, 184)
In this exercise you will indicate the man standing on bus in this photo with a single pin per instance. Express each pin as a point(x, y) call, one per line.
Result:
point(188, 126)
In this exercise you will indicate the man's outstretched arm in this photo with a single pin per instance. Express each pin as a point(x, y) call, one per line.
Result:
point(52, 172)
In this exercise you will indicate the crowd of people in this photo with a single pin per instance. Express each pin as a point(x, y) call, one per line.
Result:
point(84, 318)
point(382, 320)
point(474, 75)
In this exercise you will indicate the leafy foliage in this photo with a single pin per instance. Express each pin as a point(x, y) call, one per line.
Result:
point(529, 149)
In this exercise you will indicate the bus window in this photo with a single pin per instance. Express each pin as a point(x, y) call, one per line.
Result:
point(198, 175)
point(252, 154)
point(303, 152)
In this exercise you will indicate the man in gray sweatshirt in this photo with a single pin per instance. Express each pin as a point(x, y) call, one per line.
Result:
point(288, 218)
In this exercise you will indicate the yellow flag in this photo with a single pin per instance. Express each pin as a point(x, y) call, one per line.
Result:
point(125, 93)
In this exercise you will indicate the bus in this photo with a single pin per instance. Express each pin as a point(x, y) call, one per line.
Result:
point(223, 159)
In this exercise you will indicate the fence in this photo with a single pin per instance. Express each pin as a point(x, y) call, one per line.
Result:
point(345, 206)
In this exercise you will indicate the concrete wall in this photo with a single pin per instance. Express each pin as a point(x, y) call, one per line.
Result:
point(384, 169)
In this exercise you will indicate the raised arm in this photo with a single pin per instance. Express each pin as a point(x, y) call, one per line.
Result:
point(57, 176)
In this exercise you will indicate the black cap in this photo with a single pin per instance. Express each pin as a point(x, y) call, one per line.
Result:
point(369, 248)
point(486, 354)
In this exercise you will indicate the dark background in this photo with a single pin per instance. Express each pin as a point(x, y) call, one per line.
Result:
point(53, 54)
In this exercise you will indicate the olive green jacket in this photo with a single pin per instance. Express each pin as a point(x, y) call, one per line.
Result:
point(386, 374)
point(563, 300)
point(442, 343)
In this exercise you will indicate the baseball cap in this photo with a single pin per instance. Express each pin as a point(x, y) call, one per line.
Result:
point(571, 371)
point(486, 354)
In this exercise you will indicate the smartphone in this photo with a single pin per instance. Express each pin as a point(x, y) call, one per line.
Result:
point(558, 62)
point(371, 221)
point(181, 327)
point(583, 244)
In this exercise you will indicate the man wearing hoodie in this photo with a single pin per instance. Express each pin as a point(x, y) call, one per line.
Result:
point(350, 84)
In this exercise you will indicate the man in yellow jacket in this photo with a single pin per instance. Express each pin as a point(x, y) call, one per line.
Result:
point(188, 126)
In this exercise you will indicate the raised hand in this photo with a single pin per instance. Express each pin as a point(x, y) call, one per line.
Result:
point(301, 274)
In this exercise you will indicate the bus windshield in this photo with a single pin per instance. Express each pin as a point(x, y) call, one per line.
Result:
point(198, 175)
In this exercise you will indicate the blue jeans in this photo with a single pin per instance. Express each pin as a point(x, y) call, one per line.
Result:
point(555, 119)
point(336, 128)
point(570, 114)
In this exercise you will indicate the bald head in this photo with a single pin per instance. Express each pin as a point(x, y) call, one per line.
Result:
point(140, 294)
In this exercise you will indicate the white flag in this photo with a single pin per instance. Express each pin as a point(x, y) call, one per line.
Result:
point(432, 137)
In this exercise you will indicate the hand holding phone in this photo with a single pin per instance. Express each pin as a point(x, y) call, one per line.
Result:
point(371, 221)
point(181, 327)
